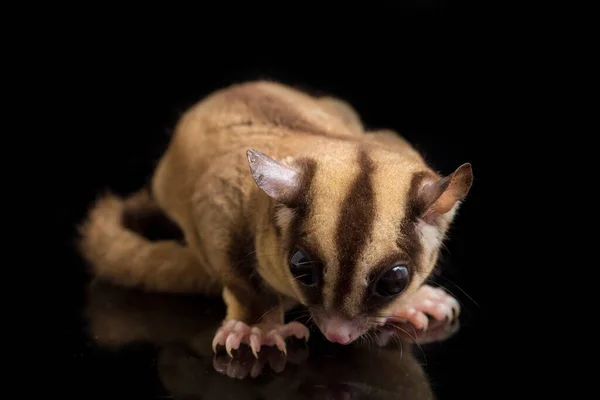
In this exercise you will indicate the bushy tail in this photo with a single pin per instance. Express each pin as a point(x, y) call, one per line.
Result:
point(115, 241)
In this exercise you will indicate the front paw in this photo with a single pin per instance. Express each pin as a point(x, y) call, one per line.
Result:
point(232, 333)
point(426, 302)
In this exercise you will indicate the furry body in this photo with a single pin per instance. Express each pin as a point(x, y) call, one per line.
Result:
point(257, 170)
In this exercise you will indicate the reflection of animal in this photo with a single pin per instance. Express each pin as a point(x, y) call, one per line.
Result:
point(182, 329)
point(359, 372)
point(283, 198)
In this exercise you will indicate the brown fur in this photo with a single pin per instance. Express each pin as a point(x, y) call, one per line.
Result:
point(357, 201)
point(126, 257)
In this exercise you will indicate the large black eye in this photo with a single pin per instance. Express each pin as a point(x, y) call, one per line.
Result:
point(303, 268)
point(392, 282)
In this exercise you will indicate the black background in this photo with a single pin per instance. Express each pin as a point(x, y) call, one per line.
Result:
point(432, 71)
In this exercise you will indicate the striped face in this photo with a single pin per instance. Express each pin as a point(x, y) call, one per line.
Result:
point(360, 230)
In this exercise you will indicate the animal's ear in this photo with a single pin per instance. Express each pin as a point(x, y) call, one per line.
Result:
point(279, 181)
point(441, 196)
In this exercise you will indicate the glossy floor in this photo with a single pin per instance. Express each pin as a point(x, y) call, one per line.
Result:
point(139, 345)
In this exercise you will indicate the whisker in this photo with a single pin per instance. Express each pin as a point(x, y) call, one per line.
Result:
point(397, 339)
point(300, 310)
point(414, 339)
point(462, 304)
point(302, 276)
point(374, 317)
point(309, 319)
point(266, 312)
point(375, 332)
point(300, 316)
point(307, 263)
point(243, 258)
point(376, 339)
point(459, 288)
point(445, 247)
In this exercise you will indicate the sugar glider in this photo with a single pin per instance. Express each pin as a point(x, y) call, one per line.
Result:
point(284, 198)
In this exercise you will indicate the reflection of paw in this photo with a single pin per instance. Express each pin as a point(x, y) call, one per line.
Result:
point(232, 333)
point(427, 301)
point(246, 365)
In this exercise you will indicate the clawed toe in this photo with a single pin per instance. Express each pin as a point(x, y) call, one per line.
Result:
point(233, 333)
point(294, 329)
point(255, 343)
point(230, 335)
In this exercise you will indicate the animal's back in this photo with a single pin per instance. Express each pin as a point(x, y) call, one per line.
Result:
point(257, 112)
point(216, 132)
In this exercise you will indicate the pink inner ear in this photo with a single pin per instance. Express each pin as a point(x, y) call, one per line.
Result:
point(442, 195)
point(275, 179)
point(446, 201)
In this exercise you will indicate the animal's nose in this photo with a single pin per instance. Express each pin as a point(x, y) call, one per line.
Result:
point(338, 337)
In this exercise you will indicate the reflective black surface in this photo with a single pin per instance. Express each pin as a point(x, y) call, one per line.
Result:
point(160, 345)
point(180, 331)
point(422, 73)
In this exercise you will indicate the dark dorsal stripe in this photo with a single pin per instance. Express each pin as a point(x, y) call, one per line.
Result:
point(273, 109)
point(355, 223)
